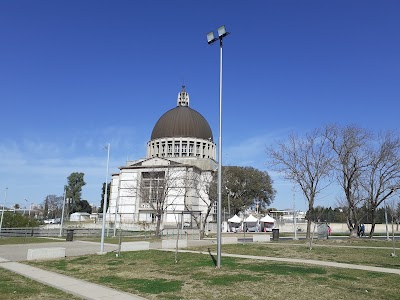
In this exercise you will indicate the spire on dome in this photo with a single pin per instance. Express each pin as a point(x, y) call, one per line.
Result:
point(183, 98)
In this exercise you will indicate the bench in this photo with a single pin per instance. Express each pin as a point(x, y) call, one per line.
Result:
point(135, 246)
point(229, 240)
point(45, 253)
point(261, 238)
point(171, 244)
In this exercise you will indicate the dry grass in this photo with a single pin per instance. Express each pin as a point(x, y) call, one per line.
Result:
point(345, 251)
point(154, 275)
point(15, 287)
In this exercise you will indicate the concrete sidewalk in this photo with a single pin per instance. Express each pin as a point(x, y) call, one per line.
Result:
point(18, 252)
point(11, 254)
point(76, 287)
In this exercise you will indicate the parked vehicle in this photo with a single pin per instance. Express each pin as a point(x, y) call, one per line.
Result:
point(52, 221)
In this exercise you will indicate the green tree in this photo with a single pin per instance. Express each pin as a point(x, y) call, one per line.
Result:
point(46, 207)
point(74, 191)
point(103, 191)
point(243, 185)
point(85, 206)
point(14, 220)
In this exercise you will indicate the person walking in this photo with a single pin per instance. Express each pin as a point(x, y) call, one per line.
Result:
point(362, 230)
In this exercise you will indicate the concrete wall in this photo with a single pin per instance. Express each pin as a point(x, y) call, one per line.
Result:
point(135, 246)
point(261, 238)
point(335, 227)
point(229, 240)
point(45, 253)
point(171, 244)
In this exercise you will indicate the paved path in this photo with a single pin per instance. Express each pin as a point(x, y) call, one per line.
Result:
point(76, 248)
point(76, 287)
point(11, 254)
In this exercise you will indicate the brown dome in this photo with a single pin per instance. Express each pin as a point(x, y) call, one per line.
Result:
point(182, 121)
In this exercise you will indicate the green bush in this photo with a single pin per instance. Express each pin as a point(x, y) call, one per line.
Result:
point(13, 220)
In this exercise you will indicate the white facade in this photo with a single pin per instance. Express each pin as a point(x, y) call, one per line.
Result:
point(179, 167)
point(181, 147)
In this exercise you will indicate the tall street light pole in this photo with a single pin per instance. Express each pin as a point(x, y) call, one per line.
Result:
point(294, 213)
point(386, 221)
point(2, 211)
point(105, 203)
point(62, 213)
point(211, 39)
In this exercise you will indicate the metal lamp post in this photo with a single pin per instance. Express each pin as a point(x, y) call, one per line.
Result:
point(105, 203)
point(294, 213)
point(211, 39)
point(2, 211)
point(62, 213)
point(386, 221)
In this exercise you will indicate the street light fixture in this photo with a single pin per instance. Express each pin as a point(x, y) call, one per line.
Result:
point(211, 39)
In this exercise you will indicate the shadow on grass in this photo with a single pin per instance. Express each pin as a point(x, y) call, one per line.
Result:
point(212, 257)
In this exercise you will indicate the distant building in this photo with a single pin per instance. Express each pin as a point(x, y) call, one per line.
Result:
point(79, 217)
point(288, 215)
point(180, 149)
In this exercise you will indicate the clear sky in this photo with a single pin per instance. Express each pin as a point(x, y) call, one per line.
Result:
point(76, 75)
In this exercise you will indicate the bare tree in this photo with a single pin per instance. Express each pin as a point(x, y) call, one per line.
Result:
point(381, 177)
point(393, 210)
point(159, 188)
point(349, 146)
point(305, 161)
point(53, 206)
point(201, 187)
point(397, 216)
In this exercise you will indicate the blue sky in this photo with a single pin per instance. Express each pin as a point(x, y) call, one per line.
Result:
point(75, 75)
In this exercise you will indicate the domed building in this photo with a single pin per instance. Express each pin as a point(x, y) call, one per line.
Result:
point(170, 185)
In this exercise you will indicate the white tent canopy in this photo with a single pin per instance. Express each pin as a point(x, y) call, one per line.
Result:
point(251, 219)
point(234, 219)
point(267, 219)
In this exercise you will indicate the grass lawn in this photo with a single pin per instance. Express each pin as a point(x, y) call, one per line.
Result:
point(345, 241)
point(327, 250)
point(14, 286)
point(153, 274)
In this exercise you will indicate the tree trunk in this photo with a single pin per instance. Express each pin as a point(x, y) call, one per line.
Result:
point(352, 228)
point(308, 234)
point(309, 220)
point(158, 225)
point(371, 233)
point(203, 229)
point(353, 232)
